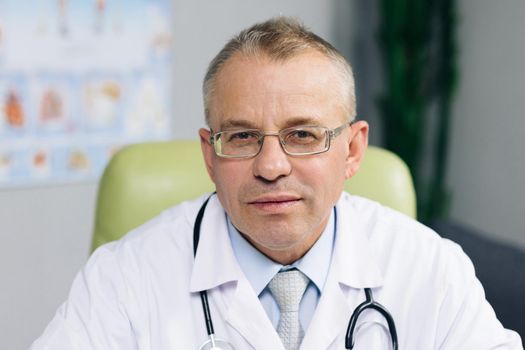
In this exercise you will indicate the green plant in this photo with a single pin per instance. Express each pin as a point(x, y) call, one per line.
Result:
point(417, 42)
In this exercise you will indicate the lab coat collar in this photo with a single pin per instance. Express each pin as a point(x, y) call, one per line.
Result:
point(215, 262)
point(354, 266)
point(354, 262)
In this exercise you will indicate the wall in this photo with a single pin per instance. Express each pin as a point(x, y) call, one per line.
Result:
point(45, 239)
point(45, 232)
point(487, 163)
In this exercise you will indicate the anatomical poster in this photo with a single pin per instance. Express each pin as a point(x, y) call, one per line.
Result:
point(80, 79)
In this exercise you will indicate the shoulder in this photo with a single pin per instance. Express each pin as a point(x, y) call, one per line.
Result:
point(428, 283)
point(382, 220)
point(399, 240)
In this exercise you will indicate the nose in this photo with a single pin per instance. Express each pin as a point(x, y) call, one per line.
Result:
point(272, 162)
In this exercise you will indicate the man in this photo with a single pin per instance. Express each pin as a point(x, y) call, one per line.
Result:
point(284, 255)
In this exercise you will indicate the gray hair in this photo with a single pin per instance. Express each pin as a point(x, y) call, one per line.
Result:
point(280, 39)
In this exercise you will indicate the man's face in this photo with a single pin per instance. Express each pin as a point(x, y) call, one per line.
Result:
point(281, 203)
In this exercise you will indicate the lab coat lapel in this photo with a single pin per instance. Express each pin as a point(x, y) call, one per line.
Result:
point(330, 317)
point(215, 262)
point(247, 316)
point(215, 265)
point(353, 268)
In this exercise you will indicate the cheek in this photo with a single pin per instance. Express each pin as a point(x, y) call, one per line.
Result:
point(229, 178)
point(329, 176)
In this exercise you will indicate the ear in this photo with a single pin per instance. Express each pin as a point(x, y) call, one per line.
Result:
point(207, 151)
point(356, 147)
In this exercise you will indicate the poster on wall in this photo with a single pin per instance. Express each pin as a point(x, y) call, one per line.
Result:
point(80, 79)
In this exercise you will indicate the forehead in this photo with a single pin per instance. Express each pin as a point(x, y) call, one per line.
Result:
point(262, 92)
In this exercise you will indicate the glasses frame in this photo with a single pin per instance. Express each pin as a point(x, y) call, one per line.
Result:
point(332, 134)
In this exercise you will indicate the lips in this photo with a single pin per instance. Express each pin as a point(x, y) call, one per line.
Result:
point(274, 203)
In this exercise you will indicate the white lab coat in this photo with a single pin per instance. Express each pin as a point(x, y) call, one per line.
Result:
point(141, 292)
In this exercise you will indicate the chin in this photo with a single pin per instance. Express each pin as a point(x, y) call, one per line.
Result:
point(279, 239)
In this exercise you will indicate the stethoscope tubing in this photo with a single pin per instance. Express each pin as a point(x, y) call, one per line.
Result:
point(369, 303)
point(203, 294)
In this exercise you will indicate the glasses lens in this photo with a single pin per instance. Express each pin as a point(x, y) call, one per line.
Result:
point(305, 140)
point(247, 143)
point(237, 143)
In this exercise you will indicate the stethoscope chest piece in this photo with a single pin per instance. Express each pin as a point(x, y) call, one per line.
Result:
point(216, 344)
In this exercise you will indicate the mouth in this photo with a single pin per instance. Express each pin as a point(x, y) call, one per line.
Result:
point(274, 204)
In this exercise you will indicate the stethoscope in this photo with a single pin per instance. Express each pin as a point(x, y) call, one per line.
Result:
point(213, 343)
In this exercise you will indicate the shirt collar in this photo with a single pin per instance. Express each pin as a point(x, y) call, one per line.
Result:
point(259, 269)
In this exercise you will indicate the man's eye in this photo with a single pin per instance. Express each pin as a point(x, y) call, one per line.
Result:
point(302, 134)
point(242, 136)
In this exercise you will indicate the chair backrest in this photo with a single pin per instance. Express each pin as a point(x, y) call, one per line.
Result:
point(142, 180)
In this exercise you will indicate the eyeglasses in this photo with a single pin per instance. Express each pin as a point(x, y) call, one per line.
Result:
point(295, 141)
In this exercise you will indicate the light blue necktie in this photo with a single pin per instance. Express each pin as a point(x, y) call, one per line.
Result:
point(288, 288)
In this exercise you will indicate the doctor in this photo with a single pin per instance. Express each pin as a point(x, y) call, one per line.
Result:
point(279, 231)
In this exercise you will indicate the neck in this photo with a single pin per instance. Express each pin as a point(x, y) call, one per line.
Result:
point(287, 255)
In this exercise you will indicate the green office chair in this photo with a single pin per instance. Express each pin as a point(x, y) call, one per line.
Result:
point(142, 180)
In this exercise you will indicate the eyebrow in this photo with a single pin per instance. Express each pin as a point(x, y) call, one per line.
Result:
point(290, 122)
point(237, 123)
point(301, 121)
